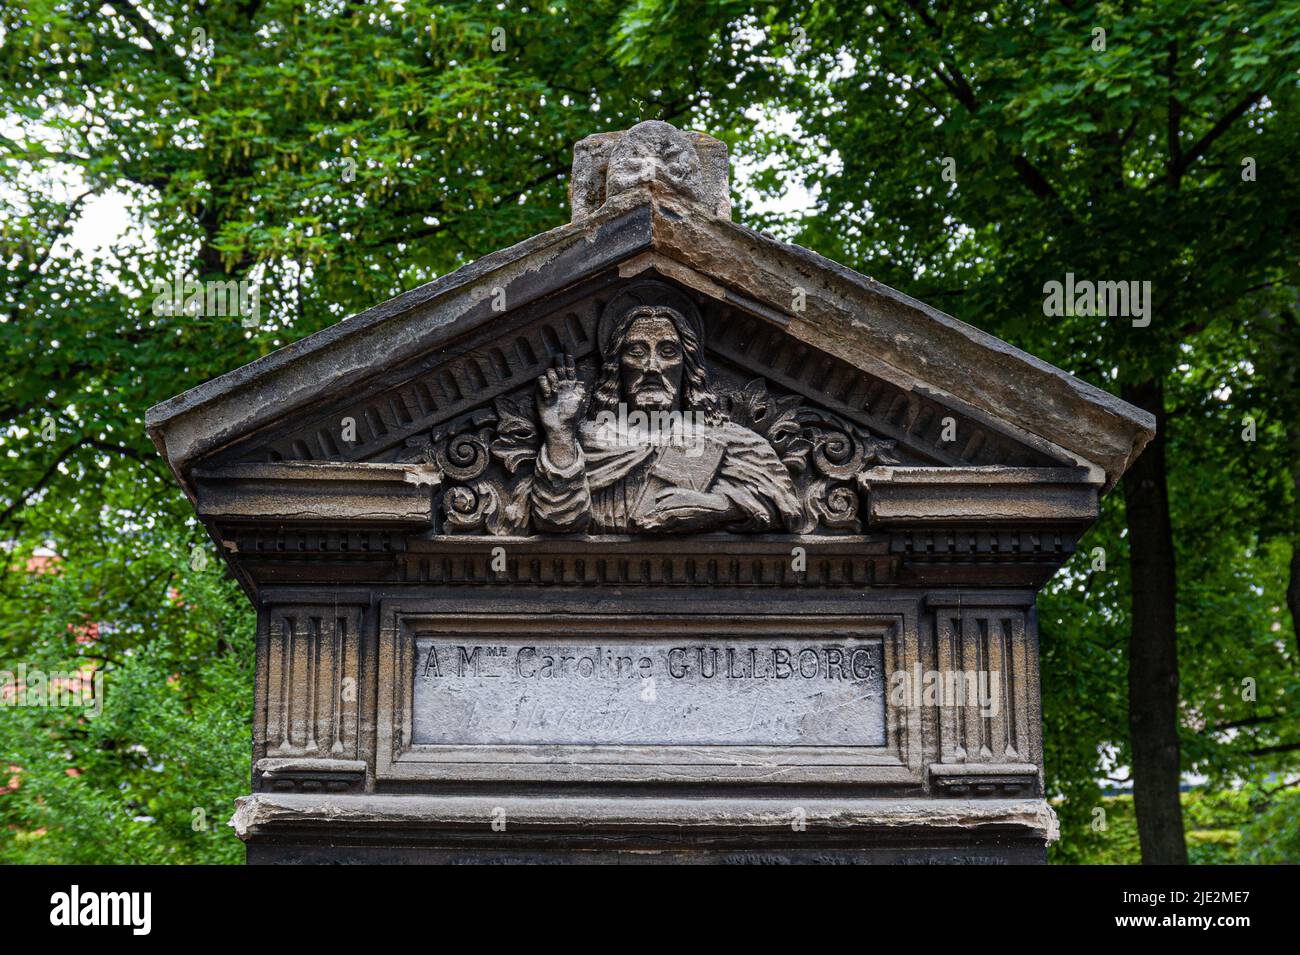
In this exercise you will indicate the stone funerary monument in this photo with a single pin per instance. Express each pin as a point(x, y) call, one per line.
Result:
point(652, 539)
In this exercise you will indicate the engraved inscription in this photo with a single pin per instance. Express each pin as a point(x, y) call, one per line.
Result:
point(734, 691)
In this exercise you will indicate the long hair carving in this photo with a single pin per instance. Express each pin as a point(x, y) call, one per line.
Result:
point(697, 395)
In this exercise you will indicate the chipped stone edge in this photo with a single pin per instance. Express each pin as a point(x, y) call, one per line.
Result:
point(264, 813)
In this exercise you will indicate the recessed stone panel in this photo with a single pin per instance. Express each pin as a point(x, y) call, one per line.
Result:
point(690, 691)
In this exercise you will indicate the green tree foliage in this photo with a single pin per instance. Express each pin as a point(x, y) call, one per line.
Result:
point(134, 596)
point(1250, 824)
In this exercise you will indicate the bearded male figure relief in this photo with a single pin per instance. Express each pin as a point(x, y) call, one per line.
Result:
point(621, 471)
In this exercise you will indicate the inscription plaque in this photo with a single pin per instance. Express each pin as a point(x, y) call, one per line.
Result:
point(732, 691)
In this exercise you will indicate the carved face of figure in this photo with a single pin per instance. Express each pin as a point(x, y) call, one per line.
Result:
point(651, 364)
point(654, 150)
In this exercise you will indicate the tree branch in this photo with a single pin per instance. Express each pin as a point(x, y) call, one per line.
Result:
point(1173, 120)
point(47, 475)
point(962, 91)
point(1217, 130)
point(1270, 750)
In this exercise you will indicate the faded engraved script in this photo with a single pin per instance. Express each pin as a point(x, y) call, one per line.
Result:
point(693, 692)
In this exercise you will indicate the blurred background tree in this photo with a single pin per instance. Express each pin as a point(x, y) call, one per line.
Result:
point(339, 153)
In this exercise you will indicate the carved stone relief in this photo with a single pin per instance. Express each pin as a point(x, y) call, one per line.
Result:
point(644, 443)
point(311, 675)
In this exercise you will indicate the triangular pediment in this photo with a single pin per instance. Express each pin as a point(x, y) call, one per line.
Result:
point(490, 328)
point(825, 406)
point(836, 375)
point(750, 359)
point(469, 408)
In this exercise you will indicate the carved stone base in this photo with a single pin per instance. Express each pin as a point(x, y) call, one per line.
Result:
point(984, 779)
point(296, 829)
point(311, 775)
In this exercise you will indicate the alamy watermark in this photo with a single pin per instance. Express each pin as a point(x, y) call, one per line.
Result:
point(686, 429)
point(190, 298)
point(58, 689)
point(76, 907)
point(981, 689)
point(1087, 298)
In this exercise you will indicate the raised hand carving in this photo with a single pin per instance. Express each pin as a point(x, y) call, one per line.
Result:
point(561, 399)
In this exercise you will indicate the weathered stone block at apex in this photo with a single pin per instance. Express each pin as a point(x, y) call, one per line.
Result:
point(704, 549)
